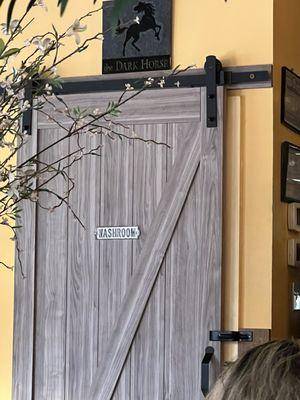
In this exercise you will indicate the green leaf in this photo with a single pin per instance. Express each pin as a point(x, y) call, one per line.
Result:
point(10, 11)
point(55, 31)
point(63, 5)
point(30, 4)
point(2, 46)
point(56, 82)
point(10, 52)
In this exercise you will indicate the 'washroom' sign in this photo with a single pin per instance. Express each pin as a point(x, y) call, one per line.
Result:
point(141, 41)
point(117, 232)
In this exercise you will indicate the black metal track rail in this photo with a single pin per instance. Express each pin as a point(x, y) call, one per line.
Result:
point(186, 81)
point(212, 76)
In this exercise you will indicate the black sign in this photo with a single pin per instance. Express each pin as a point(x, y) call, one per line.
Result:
point(141, 40)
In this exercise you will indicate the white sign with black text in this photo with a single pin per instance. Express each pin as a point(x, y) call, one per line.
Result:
point(117, 232)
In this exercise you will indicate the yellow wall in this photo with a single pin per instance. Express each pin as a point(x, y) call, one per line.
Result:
point(238, 33)
point(6, 315)
point(256, 213)
point(241, 33)
point(286, 53)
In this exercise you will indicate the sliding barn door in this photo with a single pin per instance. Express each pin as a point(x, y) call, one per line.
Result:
point(124, 319)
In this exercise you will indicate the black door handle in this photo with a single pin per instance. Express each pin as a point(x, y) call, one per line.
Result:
point(209, 352)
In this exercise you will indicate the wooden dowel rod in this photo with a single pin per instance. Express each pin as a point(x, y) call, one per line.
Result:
point(231, 225)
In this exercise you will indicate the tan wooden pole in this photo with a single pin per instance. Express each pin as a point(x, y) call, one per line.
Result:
point(231, 225)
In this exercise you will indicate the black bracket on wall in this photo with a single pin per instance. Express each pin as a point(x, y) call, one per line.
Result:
point(216, 76)
point(211, 77)
point(213, 69)
point(231, 336)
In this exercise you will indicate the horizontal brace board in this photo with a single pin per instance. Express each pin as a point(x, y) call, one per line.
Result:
point(159, 106)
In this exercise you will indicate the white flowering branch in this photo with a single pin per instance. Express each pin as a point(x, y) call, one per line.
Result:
point(40, 56)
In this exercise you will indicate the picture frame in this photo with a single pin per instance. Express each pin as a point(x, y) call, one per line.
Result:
point(290, 173)
point(290, 99)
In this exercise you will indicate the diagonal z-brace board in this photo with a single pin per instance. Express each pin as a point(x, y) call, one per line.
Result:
point(149, 263)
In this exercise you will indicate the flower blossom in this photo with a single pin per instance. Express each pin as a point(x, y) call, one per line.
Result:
point(48, 89)
point(42, 44)
point(75, 29)
point(96, 112)
point(161, 82)
point(42, 4)
point(12, 28)
point(128, 87)
point(34, 196)
point(26, 105)
point(13, 186)
point(53, 70)
point(7, 85)
point(149, 82)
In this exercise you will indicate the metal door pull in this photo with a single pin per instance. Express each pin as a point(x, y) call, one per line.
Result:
point(209, 352)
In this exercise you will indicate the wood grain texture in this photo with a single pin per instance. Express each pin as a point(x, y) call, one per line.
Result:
point(231, 225)
point(24, 289)
point(129, 319)
point(51, 280)
point(83, 272)
point(115, 266)
point(183, 302)
point(193, 296)
point(147, 352)
point(151, 257)
point(173, 104)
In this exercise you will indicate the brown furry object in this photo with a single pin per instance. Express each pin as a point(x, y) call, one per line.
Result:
point(267, 372)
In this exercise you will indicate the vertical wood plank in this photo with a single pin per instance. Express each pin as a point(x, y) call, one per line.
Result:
point(51, 279)
point(183, 345)
point(193, 295)
point(115, 255)
point(24, 289)
point(147, 354)
point(83, 270)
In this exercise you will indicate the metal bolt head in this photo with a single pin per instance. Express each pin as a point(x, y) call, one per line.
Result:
point(252, 76)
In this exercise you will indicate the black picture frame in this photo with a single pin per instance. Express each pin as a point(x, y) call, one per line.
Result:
point(290, 99)
point(290, 173)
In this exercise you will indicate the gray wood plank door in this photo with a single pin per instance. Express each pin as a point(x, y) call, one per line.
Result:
point(124, 319)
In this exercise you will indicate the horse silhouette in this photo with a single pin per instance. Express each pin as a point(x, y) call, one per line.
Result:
point(134, 30)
